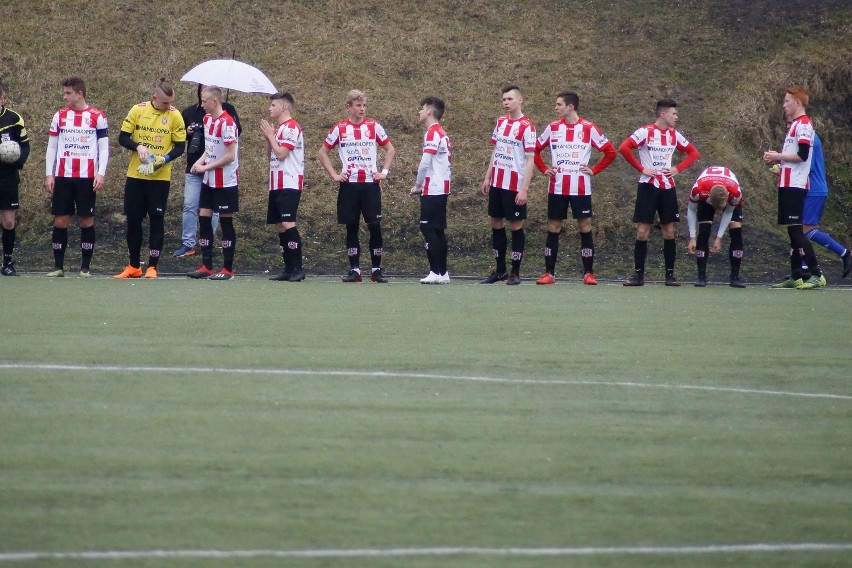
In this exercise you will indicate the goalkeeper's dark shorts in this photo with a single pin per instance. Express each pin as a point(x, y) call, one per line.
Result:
point(145, 197)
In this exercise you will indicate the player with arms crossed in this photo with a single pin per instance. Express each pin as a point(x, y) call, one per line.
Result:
point(286, 180)
point(357, 140)
point(12, 131)
point(794, 161)
point(220, 187)
point(75, 168)
point(716, 190)
point(507, 183)
point(571, 140)
point(815, 204)
point(433, 187)
point(154, 131)
point(655, 194)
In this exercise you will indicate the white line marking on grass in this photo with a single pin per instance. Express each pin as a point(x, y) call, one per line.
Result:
point(439, 551)
point(384, 374)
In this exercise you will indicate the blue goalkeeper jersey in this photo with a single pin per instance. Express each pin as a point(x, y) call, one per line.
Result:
point(816, 178)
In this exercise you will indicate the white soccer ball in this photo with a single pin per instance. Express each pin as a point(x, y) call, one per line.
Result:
point(10, 151)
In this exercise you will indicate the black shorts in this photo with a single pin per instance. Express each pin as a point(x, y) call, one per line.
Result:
point(145, 197)
point(356, 199)
point(433, 211)
point(791, 205)
point(9, 197)
point(282, 207)
point(557, 206)
point(501, 204)
point(220, 200)
point(650, 200)
point(706, 213)
point(73, 195)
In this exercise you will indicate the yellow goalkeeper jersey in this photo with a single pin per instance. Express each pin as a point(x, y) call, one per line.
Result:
point(156, 129)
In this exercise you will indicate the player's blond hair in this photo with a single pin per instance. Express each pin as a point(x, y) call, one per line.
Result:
point(213, 91)
point(799, 93)
point(718, 197)
point(355, 95)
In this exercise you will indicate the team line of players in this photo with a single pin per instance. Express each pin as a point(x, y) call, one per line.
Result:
point(154, 130)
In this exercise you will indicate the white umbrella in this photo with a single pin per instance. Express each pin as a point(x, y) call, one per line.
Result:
point(230, 74)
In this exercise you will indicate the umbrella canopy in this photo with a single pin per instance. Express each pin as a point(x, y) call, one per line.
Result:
point(230, 74)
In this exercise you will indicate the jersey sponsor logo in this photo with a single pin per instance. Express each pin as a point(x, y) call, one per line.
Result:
point(77, 134)
point(567, 146)
point(509, 141)
point(153, 130)
point(357, 143)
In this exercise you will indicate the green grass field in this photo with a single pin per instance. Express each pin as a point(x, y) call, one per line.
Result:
point(453, 426)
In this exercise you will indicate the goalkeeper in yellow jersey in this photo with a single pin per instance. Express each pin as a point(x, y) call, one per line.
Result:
point(155, 132)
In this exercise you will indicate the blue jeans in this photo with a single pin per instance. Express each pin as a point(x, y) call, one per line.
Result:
point(191, 195)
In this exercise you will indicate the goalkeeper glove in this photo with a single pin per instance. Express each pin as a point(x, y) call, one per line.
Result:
point(154, 163)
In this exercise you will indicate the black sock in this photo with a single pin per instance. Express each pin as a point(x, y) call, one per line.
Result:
point(702, 248)
point(443, 250)
point(134, 240)
point(87, 246)
point(499, 244)
point(640, 252)
point(294, 247)
point(587, 252)
point(669, 254)
point(735, 252)
point(353, 246)
point(285, 253)
point(60, 243)
point(8, 245)
point(375, 244)
point(430, 235)
point(802, 248)
point(518, 243)
point(551, 251)
point(156, 239)
point(229, 242)
point(205, 241)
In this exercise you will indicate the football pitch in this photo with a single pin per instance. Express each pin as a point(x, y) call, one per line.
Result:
point(256, 423)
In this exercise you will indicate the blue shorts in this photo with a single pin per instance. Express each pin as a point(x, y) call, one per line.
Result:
point(814, 205)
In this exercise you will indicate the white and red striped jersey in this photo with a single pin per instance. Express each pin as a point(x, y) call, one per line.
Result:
point(288, 173)
point(716, 175)
point(795, 174)
point(357, 147)
point(571, 147)
point(513, 140)
point(78, 153)
point(656, 148)
point(218, 133)
point(437, 143)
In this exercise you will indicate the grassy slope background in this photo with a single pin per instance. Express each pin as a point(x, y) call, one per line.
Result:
point(725, 62)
